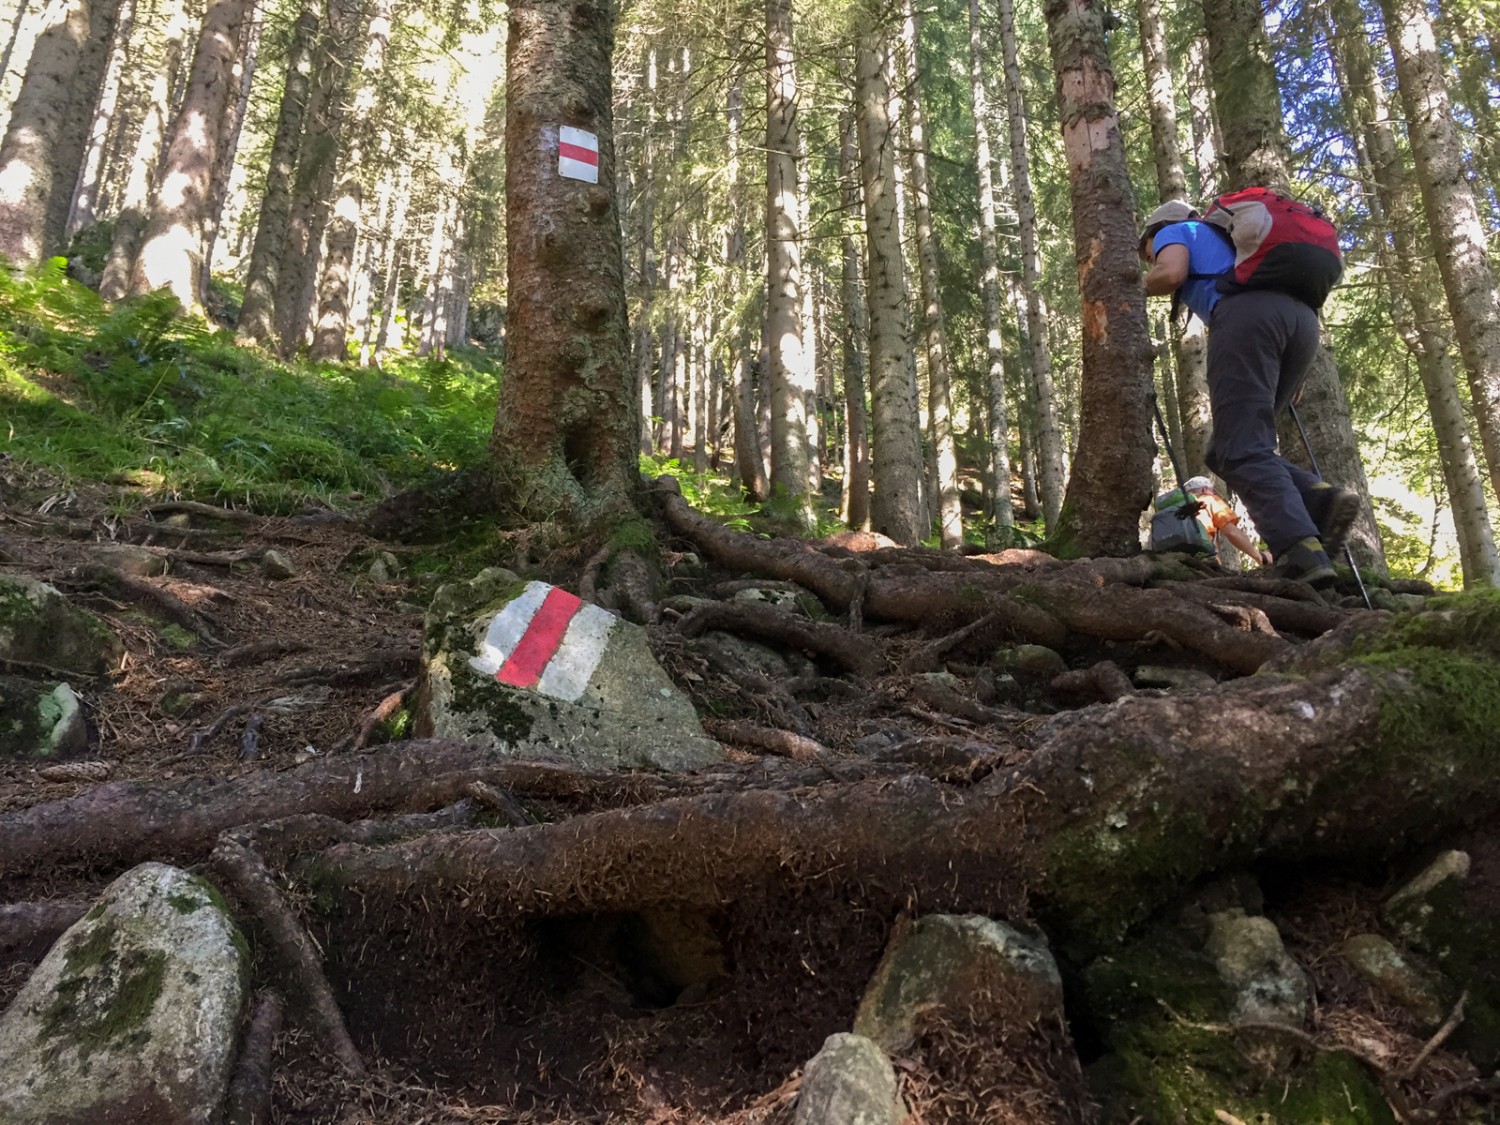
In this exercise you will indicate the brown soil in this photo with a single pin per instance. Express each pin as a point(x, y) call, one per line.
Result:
point(467, 1016)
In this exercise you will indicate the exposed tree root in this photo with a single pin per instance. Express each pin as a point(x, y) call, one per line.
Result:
point(257, 652)
point(248, 1099)
point(28, 929)
point(858, 655)
point(768, 739)
point(116, 584)
point(208, 511)
point(252, 884)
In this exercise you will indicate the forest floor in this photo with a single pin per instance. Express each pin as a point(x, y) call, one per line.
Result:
point(257, 674)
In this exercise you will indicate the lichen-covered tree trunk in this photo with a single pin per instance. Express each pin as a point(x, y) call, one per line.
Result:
point(564, 438)
point(330, 337)
point(1111, 480)
point(855, 509)
point(997, 480)
point(257, 314)
point(895, 433)
point(1050, 455)
point(934, 327)
point(164, 55)
point(1458, 236)
point(1253, 151)
point(790, 372)
point(172, 243)
point(1411, 282)
point(47, 132)
point(1206, 144)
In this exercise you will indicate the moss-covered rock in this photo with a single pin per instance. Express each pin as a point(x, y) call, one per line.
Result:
point(40, 719)
point(133, 1015)
point(40, 628)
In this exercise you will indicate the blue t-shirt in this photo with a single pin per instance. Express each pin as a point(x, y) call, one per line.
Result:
point(1209, 252)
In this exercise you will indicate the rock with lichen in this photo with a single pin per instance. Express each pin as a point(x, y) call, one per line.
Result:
point(132, 1016)
point(40, 628)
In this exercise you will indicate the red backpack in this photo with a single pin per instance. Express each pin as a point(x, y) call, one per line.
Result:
point(1279, 243)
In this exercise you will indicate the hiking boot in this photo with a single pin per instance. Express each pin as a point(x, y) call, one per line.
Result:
point(1305, 561)
point(1333, 510)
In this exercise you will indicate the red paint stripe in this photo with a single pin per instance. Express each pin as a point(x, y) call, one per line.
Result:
point(579, 153)
point(539, 642)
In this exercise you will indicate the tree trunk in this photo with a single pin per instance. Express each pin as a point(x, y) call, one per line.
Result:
point(171, 254)
point(244, 78)
point(748, 463)
point(895, 441)
point(257, 321)
point(934, 330)
point(1206, 141)
point(564, 438)
point(1050, 454)
point(855, 509)
point(1458, 236)
point(331, 337)
point(85, 207)
point(135, 202)
point(790, 374)
point(997, 482)
point(1111, 481)
point(1248, 100)
point(1408, 270)
point(1189, 342)
point(47, 133)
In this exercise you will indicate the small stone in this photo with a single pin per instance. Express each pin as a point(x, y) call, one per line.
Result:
point(132, 560)
point(385, 568)
point(849, 1082)
point(275, 565)
point(1174, 679)
point(1268, 986)
point(789, 600)
point(1036, 661)
point(1380, 963)
point(943, 679)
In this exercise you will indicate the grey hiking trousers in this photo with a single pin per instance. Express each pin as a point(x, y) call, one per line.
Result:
point(1260, 346)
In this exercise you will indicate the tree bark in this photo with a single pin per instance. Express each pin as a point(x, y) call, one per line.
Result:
point(855, 509)
point(748, 463)
point(47, 133)
point(564, 439)
point(234, 123)
point(135, 202)
point(85, 206)
point(331, 337)
point(895, 442)
point(1050, 454)
point(1410, 281)
point(934, 328)
point(1458, 237)
point(790, 373)
point(171, 254)
point(1111, 481)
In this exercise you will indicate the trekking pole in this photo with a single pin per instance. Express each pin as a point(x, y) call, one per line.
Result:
point(1313, 461)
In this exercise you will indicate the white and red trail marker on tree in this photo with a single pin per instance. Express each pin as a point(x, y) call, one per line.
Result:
point(577, 154)
point(547, 640)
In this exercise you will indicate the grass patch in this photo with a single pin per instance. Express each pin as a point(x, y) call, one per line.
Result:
point(136, 391)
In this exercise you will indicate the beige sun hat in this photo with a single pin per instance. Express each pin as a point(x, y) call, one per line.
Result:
point(1172, 211)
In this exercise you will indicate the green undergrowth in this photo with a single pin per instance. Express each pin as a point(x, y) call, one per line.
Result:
point(136, 392)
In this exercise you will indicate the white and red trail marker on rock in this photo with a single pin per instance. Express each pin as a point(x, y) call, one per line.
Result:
point(547, 640)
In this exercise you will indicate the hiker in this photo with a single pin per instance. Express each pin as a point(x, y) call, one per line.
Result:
point(1261, 342)
point(1214, 517)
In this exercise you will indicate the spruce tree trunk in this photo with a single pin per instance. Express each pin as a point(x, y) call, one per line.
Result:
point(564, 438)
point(47, 132)
point(934, 329)
point(997, 481)
point(166, 60)
point(895, 438)
point(1190, 418)
point(1048, 431)
point(1111, 480)
point(85, 207)
point(790, 374)
point(258, 312)
point(249, 56)
point(1458, 236)
point(748, 463)
point(171, 254)
point(1206, 141)
point(331, 337)
point(1248, 100)
point(855, 508)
